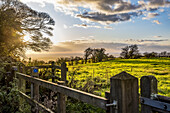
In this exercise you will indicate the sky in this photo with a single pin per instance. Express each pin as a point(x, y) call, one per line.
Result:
point(109, 24)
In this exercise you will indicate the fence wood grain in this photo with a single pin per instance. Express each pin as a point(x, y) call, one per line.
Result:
point(124, 90)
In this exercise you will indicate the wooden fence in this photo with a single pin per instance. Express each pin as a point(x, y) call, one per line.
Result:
point(123, 96)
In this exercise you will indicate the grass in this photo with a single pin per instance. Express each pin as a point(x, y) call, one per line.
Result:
point(102, 71)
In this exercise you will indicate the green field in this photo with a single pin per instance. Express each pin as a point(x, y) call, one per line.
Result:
point(99, 73)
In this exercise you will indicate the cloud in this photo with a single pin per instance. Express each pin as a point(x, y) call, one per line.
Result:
point(77, 47)
point(112, 11)
point(107, 19)
point(150, 15)
point(65, 26)
point(157, 36)
point(153, 40)
point(145, 40)
point(158, 3)
point(108, 27)
point(156, 21)
point(86, 26)
point(161, 10)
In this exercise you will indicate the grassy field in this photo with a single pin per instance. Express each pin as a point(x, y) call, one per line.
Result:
point(100, 73)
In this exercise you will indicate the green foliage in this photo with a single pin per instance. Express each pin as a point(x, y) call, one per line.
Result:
point(10, 100)
point(75, 106)
point(18, 20)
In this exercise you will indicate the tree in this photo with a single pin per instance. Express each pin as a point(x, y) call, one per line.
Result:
point(125, 52)
point(96, 54)
point(87, 52)
point(130, 52)
point(100, 54)
point(150, 55)
point(133, 52)
point(18, 20)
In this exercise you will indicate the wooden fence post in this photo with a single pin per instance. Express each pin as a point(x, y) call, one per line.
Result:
point(22, 82)
point(124, 91)
point(63, 72)
point(148, 85)
point(53, 71)
point(34, 87)
point(61, 98)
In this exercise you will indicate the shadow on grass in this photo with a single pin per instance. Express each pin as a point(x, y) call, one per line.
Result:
point(156, 73)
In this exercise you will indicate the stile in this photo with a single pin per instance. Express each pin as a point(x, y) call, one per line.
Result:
point(124, 90)
point(148, 85)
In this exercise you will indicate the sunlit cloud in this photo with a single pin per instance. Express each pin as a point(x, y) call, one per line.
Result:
point(107, 11)
point(65, 26)
point(157, 36)
point(77, 47)
point(108, 27)
point(86, 26)
point(156, 21)
point(150, 15)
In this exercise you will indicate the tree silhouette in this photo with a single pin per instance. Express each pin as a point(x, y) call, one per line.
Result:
point(130, 52)
point(87, 52)
point(100, 54)
point(96, 54)
point(125, 52)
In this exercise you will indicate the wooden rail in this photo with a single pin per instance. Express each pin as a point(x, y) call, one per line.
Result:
point(122, 98)
point(150, 101)
point(45, 66)
point(80, 95)
point(122, 84)
point(35, 103)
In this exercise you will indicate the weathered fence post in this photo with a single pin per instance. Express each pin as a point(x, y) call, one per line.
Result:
point(22, 82)
point(34, 87)
point(63, 72)
point(124, 92)
point(61, 98)
point(53, 71)
point(148, 85)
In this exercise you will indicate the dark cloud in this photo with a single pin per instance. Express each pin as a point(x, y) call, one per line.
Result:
point(107, 19)
point(158, 3)
point(114, 11)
